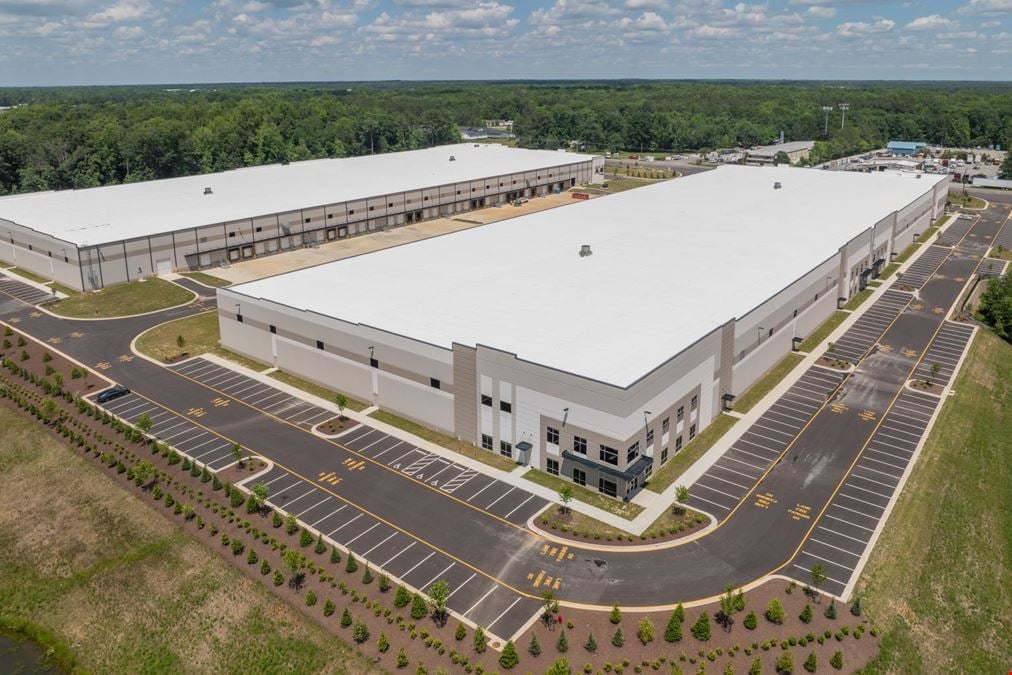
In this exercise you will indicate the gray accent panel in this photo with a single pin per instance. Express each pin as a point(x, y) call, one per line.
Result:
point(465, 393)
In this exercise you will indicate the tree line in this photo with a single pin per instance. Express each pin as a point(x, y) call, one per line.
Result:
point(77, 137)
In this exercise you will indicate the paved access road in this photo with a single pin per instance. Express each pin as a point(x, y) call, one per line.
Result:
point(772, 507)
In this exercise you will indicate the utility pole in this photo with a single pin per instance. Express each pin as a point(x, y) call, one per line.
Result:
point(827, 109)
point(843, 112)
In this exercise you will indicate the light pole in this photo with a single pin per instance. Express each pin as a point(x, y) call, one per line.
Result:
point(827, 109)
point(844, 107)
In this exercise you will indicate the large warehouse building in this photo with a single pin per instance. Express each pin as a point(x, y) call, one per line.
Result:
point(592, 341)
point(89, 239)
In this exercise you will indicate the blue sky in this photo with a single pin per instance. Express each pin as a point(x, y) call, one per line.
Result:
point(44, 42)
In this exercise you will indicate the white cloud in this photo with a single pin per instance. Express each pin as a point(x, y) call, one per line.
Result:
point(658, 5)
point(125, 10)
point(708, 32)
point(820, 12)
point(572, 11)
point(986, 7)
point(862, 28)
point(128, 32)
point(930, 22)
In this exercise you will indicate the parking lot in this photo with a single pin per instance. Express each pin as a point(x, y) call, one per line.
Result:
point(956, 230)
point(924, 267)
point(490, 495)
point(198, 443)
point(254, 393)
point(472, 594)
point(731, 477)
point(24, 292)
point(842, 535)
point(869, 327)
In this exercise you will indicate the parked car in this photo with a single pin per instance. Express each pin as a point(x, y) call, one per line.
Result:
point(113, 393)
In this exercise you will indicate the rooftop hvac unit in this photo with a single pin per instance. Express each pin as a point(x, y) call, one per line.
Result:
point(777, 185)
point(452, 158)
point(208, 191)
point(585, 250)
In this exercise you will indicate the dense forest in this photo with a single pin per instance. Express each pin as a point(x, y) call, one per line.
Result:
point(86, 136)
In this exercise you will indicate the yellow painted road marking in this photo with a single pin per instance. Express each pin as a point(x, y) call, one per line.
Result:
point(909, 353)
point(800, 511)
point(917, 306)
point(77, 334)
point(352, 465)
point(764, 500)
point(125, 358)
point(884, 348)
point(938, 310)
point(54, 340)
point(839, 408)
point(562, 553)
point(220, 402)
point(867, 415)
point(329, 477)
point(196, 412)
point(14, 319)
point(537, 579)
point(35, 315)
point(558, 582)
point(103, 365)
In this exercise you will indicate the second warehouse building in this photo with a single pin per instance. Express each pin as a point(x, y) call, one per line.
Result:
point(591, 341)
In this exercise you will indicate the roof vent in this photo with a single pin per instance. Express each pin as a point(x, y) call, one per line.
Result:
point(452, 158)
point(585, 250)
point(208, 191)
point(777, 185)
point(918, 175)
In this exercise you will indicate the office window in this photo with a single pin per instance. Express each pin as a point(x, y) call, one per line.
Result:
point(650, 436)
point(231, 234)
point(390, 205)
point(372, 208)
point(552, 436)
point(319, 344)
point(425, 199)
point(664, 455)
point(434, 383)
point(678, 444)
point(680, 415)
point(694, 403)
point(632, 452)
point(579, 445)
point(238, 317)
point(505, 449)
point(579, 476)
point(608, 455)
point(330, 215)
point(373, 363)
point(351, 212)
point(308, 219)
point(274, 329)
point(606, 486)
point(259, 229)
point(649, 471)
point(665, 425)
point(486, 400)
point(486, 441)
point(552, 466)
point(506, 406)
point(692, 432)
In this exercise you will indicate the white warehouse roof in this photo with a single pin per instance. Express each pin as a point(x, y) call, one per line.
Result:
point(112, 213)
point(670, 263)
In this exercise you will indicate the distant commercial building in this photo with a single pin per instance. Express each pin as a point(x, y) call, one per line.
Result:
point(795, 151)
point(594, 341)
point(89, 239)
point(905, 148)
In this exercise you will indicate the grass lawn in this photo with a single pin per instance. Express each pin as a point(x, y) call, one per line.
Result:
point(822, 332)
point(1006, 254)
point(622, 509)
point(763, 385)
point(112, 587)
point(28, 275)
point(136, 297)
point(858, 298)
point(207, 279)
point(688, 455)
point(315, 389)
point(938, 580)
point(493, 459)
point(66, 290)
point(967, 201)
point(623, 184)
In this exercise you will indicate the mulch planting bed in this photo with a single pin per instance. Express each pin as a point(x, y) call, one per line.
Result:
point(336, 425)
point(723, 648)
point(234, 474)
point(560, 525)
point(15, 346)
point(835, 364)
point(927, 388)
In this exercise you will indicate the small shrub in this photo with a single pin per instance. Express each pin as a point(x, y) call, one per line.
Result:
point(591, 644)
point(310, 599)
point(479, 640)
point(562, 644)
point(508, 659)
point(265, 568)
point(616, 614)
point(855, 607)
point(360, 632)
point(618, 639)
point(345, 618)
point(251, 559)
point(837, 660)
point(701, 629)
point(750, 621)
point(351, 566)
point(645, 631)
point(419, 608)
point(534, 648)
point(775, 612)
point(278, 578)
point(460, 633)
point(328, 607)
point(383, 644)
point(367, 576)
point(830, 612)
point(785, 663)
point(806, 614)
point(384, 583)
point(402, 658)
point(811, 664)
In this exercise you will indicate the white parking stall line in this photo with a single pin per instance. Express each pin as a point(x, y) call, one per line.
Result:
point(841, 534)
point(313, 413)
point(752, 454)
point(369, 431)
point(842, 550)
point(858, 487)
point(395, 555)
point(729, 482)
point(401, 457)
point(461, 586)
point(196, 366)
point(831, 562)
point(713, 489)
point(283, 474)
point(379, 544)
point(325, 499)
point(844, 520)
point(771, 411)
point(775, 431)
point(219, 380)
point(345, 525)
point(496, 620)
point(888, 454)
point(915, 416)
point(708, 501)
point(295, 411)
point(278, 406)
point(212, 439)
point(871, 480)
point(914, 440)
point(892, 466)
point(317, 418)
point(919, 403)
point(835, 581)
point(312, 489)
point(274, 394)
point(481, 490)
point(860, 513)
point(500, 498)
point(183, 433)
point(862, 501)
point(214, 449)
point(252, 384)
point(518, 507)
point(884, 473)
point(123, 411)
point(284, 490)
point(814, 400)
point(807, 410)
point(449, 465)
point(481, 599)
point(160, 432)
point(893, 420)
point(339, 508)
point(879, 441)
point(383, 452)
point(746, 475)
point(405, 575)
point(761, 447)
point(356, 538)
point(738, 461)
point(433, 579)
